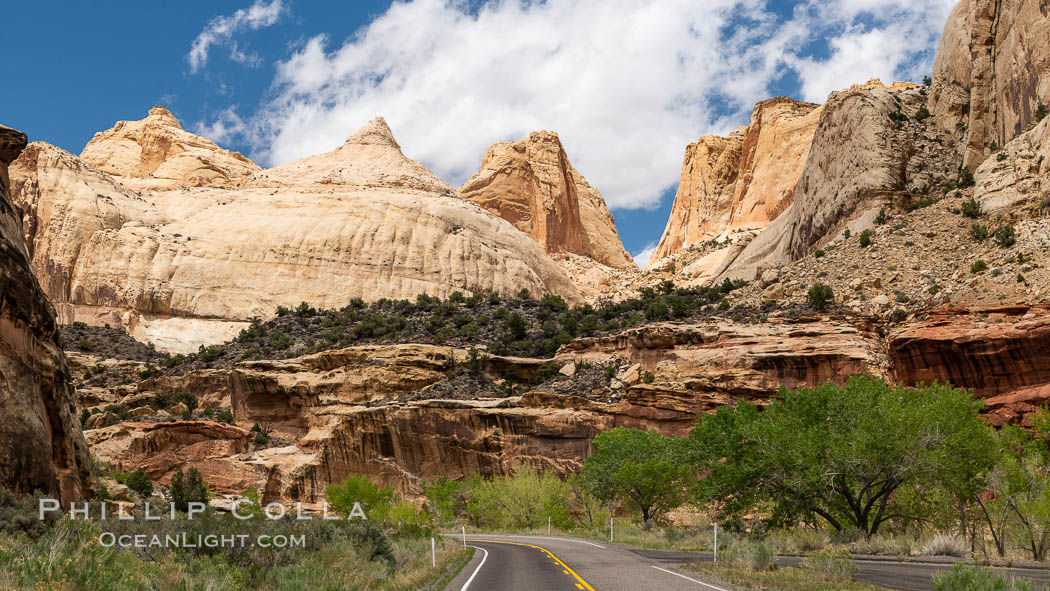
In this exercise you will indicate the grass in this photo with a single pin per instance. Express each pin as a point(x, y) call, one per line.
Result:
point(781, 579)
point(69, 557)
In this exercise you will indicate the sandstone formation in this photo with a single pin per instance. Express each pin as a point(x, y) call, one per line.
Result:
point(991, 72)
point(41, 444)
point(366, 409)
point(741, 182)
point(184, 266)
point(532, 184)
point(1019, 174)
point(156, 152)
point(993, 351)
point(860, 159)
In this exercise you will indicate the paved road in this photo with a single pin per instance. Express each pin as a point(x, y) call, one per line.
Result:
point(540, 563)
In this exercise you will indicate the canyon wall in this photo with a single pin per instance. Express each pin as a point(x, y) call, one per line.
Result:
point(41, 443)
point(532, 184)
point(859, 160)
point(741, 182)
point(991, 72)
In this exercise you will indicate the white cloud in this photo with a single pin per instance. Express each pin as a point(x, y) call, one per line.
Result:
point(220, 31)
point(641, 258)
point(626, 84)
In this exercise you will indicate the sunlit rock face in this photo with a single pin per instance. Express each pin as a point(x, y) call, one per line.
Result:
point(180, 258)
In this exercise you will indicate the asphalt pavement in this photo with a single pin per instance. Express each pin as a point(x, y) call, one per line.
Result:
point(542, 563)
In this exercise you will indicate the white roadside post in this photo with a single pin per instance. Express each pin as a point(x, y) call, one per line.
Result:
point(548, 525)
point(610, 528)
point(464, 536)
point(433, 554)
point(716, 541)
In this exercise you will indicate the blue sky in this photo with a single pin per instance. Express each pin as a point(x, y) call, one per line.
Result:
point(626, 84)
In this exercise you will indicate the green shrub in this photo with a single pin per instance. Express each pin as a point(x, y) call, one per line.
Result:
point(1005, 236)
point(376, 501)
point(523, 294)
point(187, 488)
point(140, 483)
point(978, 231)
point(223, 415)
point(832, 565)
point(303, 310)
point(1040, 112)
point(648, 377)
point(819, 295)
point(978, 266)
point(971, 577)
point(818, 253)
point(846, 233)
point(923, 114)
point(966, 178)
point(971, 208)
point(523, 500)
point(83, 345)
point(656, 310)
point(1002, 156)
point(20, 515)
point(865, 238)
point(882, 217)
point(759, 556)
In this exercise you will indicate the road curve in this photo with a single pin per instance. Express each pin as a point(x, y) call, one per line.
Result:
point(538, 563)
point(541, 563)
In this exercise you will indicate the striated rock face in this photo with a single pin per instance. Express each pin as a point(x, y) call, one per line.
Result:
point(859, 159)
point(532, 184)
point(41, 444)
point(373, 410)
point(1018, 174)
point(181, 266)
point(996, 53)
point(993, 351)
point(743, 181)
point(156, 152)
point(160, 449)
point(367, 410)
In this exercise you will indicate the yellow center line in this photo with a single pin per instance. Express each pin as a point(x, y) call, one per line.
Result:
point(581, 585)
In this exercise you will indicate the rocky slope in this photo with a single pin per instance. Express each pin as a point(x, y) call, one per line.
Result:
point(741, 182)
point(41, 443)
point(532, 184)
point(182, 266)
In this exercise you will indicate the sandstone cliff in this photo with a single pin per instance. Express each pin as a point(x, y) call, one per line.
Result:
point(991, 72)
point(532, 184)
point(741, 182)
point(183, 266)
point(860, 159)
point(373, 409)
point(41, 444)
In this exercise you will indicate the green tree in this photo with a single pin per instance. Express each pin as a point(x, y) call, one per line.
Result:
point(641, 469)
point(841, 453)
point(522, 500)
point(187, 488)
point(445, 497)
point(376, 501)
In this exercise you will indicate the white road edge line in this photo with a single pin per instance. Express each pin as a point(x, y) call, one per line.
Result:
point(478, 536)
point(671, 572)
point(476, 570)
